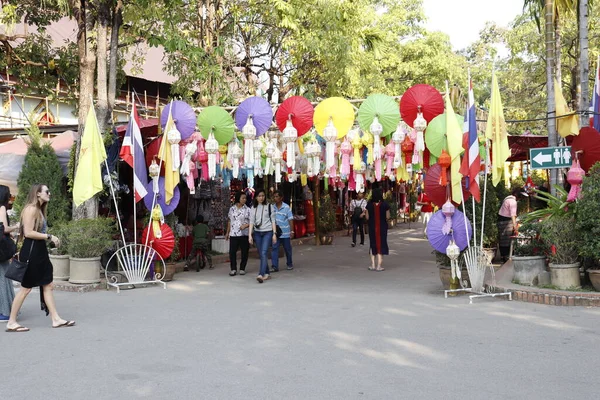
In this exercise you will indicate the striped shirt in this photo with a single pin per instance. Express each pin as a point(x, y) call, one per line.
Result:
point(283, 216)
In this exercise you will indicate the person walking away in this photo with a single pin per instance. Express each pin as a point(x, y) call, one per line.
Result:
point(7, 292)
point(201, 233)
point(507, 222)
point(357, 208)
point(34, 251)
point(284, 219)
point(237, 233)
point(377, 214)
point(261, 231)
point(426, 210)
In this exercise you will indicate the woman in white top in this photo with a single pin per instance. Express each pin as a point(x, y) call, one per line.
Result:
point(237, 233)
point(261, 230)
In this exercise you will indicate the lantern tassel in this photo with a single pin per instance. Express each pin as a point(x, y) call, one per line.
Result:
point(248, 153)
point(378, 169)
point(330, 154)
point(175, 157)
point(212, 165)
point(277, 173)
point(291, 155)
point(420, 144)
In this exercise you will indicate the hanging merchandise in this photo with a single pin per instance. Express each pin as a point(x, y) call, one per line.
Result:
point(390, 154)
point(367, 140)
point(356, 145)
point(439, 194)
point(174, 138)
point(183, 115)
point(202, 158)
point(313, 153)
point(435, 134)
point(421, 98)
point(277, 164)
point(249, 133)
point(346, 150)
point(187, 164)
point(259, 145)
point(330, 135)
point(299, 110)
point(223, 160)
point(212, 147)
point(453, 252)
point(161, 197)
point(359, 178)
point(460, 234)
point(444, 161)
point(217, 121)
point(269, 152)
point(154, 171)
point(157, 219)
point(290, 136)
point(397, 138)
point(407, 148)
point(236, 155)
point(448, 210)
point(253, 118)
point(575, 178)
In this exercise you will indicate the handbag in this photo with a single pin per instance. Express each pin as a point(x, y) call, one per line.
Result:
point(8, 248)
point(16, 269)
point(278, 231)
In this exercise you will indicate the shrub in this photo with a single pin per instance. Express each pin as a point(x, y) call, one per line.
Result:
point(89, 238)
point(588, 215)
point(490, 230)
point(61, 231)
point(562, 238)
point(327, 221)
point(529, 242)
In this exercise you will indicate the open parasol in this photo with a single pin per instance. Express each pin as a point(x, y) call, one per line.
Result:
point(436, 192)
point(301, 112)
point(163, 246)
point(435, 134)
point(439, 241)
point(423, 97)
point(384, 108)
point(183, 115)
point(340, 110)
point(259, 108)
point(160, 197)
point(217, 120)
point(588, 143)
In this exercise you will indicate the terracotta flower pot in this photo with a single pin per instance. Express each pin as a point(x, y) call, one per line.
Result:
point(594, 275)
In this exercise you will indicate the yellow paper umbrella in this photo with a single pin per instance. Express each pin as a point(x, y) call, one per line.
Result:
point(339, 110)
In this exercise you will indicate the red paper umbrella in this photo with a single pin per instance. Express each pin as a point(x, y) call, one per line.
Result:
point(436, 192)
point(301, 111)
point(163, 246)
point(423, 97)
point(588, 143)
point(152, 151)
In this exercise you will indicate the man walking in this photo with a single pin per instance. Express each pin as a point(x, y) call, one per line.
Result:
point(284, 221)
point(357, 208)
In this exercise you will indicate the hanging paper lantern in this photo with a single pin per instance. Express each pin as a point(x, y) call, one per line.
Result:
point(575, 178)
point(269, 152)
point(187, 164)
point(154, 171)
point(390, 153)
point(203, 159)
point(346, 149)
point(356, 145)
point(397, 138)
point(407, 148)
point(277, 164)
point(359, 177)
point(258, 148)
point(453, 252)
point(420, 124)
point(236, 154)
point(368, 141)
point(290, 135)
point(174, 137)
point(445, 161)
point(376, 130)
point(330, 135)
point(249, 134)
point(313, 152)
point(448, 210)
point(212, 147)
point(223, 156)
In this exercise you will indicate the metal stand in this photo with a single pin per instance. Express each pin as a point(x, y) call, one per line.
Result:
point(135, 263)
point(477, 294)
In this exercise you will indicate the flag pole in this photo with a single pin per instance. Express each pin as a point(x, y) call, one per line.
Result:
point(134, 196)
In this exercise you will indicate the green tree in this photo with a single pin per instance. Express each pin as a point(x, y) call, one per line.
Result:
point(41, 165)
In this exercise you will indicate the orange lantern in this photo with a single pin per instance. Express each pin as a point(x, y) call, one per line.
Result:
point(445, 161)
point(407, 148)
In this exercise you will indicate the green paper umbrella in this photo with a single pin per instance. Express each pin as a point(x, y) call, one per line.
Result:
point(384, 108)
point(219, 121)
point(435, 134)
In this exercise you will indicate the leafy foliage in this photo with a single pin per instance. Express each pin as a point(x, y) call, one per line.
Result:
point(561, 235)
point(89, 238)
point(529, 242)
point(327, 221)
point(588, 215)
point(492, 205)
point(557, 205)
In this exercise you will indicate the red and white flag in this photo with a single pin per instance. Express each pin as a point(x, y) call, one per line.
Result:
point(471, 162)
point(132, 152)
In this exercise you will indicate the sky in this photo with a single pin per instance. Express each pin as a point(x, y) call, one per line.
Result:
point(463, 19)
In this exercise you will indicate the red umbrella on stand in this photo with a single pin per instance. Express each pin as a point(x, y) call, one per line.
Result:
point(163, 246)
point(587, 143)
point(424, 98)
point(301, 112)
point(437, 193)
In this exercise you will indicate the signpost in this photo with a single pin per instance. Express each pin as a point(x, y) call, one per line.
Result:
point(550, 157)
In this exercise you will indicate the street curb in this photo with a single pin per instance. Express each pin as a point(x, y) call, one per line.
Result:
point(553, 298)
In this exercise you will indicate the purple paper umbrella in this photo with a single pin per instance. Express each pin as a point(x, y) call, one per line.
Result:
point(259, 108)
point(160, 197)
point(184, 117)
point(439, 241)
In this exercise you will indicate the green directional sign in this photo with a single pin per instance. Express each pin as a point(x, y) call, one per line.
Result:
point(550, 157)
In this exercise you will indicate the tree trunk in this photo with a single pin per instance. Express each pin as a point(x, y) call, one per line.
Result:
point(114, 54)
point(551, 107)
point(584, 61)
point(87, 61)
point(557, 50)
point(102, 58)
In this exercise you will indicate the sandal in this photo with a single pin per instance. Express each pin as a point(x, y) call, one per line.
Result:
point(379, 269)
point(17, 328)
point(259, 279)
point(66, 324)
point(371, 268)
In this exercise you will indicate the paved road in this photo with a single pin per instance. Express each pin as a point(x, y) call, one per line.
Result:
point(330, 329)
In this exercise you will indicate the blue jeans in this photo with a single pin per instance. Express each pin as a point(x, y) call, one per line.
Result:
point(263, 240)
point(287, 247)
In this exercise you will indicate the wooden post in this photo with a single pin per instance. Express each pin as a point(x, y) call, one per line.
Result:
point(145, 104)
point(316, 200)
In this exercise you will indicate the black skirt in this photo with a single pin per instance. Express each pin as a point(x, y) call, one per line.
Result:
point(39, 272)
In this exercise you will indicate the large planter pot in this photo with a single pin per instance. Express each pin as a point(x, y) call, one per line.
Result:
point(527, 269)
point(594, 275)
point(446, 276)
point(565, 276)
point(490, 253)
point(61, 267)
point(85, 270)
point(170, 272)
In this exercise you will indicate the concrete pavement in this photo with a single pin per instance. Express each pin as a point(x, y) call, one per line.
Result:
point(329, 329)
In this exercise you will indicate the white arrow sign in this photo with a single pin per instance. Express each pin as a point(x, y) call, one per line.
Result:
point(541, 158)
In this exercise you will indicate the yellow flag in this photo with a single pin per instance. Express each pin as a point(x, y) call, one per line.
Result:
point(88, 178)
point(171, 177)
point(454, 134)
point(567, 125)
point(496, 132)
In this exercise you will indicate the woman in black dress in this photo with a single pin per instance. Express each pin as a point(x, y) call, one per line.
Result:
point(377, 214)
point(39, 271)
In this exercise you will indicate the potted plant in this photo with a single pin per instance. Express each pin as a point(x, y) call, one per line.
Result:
point(393, 209)
point(443, 264)
point(59, 257)
point(561, 235)
point(170, 262)
point(327, 221)
point(88, 239)
point(529, 253)
point(588, 223)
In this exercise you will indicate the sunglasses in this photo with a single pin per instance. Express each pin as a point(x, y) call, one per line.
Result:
point(47, 192)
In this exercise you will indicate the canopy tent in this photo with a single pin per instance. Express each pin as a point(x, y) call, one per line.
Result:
point(12, 156)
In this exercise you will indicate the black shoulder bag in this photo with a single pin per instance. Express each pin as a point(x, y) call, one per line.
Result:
point(16, 269)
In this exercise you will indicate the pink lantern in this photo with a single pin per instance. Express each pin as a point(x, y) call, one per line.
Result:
point(575, 178)
point(448, 210)
point(390, 153)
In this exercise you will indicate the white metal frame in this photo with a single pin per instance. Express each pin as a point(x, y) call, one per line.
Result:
point(134, 262)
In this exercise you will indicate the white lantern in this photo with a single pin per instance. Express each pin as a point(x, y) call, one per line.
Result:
point(376, 130)
point(269, 152)
point(277, 158)
point(190, 150)
point(330, 136)
point(420, 124)
point(258, 146)
point(174, 137)
point(236, 154)
point(290, 135)
point(249, 134)
point(398, 137)
point(154, 171)
point(453, 252)
point(212, 147)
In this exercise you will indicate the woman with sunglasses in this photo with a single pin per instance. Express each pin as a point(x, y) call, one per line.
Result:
point(35, 252)
point(261, 230)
